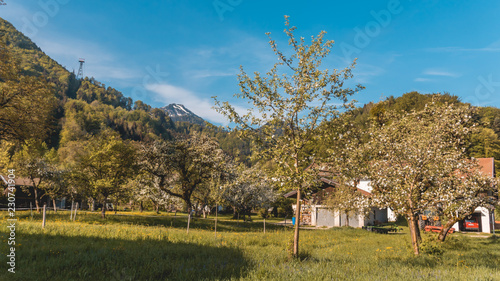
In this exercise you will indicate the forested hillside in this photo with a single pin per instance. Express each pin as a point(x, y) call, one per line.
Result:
point(81, 108)
point(485, 143)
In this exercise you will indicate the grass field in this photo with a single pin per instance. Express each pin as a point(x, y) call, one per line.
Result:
point(146, 246)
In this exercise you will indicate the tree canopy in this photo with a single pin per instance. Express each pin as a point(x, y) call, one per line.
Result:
point(288, 104)
point(412, 153)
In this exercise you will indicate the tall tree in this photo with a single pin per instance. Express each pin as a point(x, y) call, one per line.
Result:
point(287, 109)
point(33, 161)
point(145, 188)
point(183, 166)
point(345, 163)
point(105, 165)
point(248, 190)
point(412, 153)
point(56, 185)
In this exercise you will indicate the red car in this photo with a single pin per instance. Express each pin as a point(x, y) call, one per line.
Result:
point(471, 223)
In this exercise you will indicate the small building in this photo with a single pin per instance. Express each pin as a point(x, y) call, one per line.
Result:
point(482, 220)
point(25, 194)
point(315, 213)
point(23, 190)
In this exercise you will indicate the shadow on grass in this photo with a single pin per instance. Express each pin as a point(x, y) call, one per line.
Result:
point(457, 252)
point(42, 257)
point(179, 221)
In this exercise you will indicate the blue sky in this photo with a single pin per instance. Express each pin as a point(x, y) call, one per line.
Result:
point(184, 52)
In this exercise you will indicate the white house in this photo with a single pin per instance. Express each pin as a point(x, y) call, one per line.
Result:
point(316, 214)
point(321, 216)
point(482, 220)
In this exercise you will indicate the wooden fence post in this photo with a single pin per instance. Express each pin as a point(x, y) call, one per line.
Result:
point(189, 220)
point(43, 220)
point(76, 209)
point(71, 212)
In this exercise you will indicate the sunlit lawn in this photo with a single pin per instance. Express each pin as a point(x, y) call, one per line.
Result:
point(135, 246)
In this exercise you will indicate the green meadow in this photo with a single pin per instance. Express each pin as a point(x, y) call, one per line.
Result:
point(146, 246)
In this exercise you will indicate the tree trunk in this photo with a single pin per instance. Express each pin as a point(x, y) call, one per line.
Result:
point(103, 210)
point(297, 223)
point(141, 208)
point(54, 203)
point(92, 204)
point(444, 231)
point(235, 215)
point(190, 210)
point(413, 233)
point(37, 204)
point(197, 210)
point(216, 213)
point(189, 219)
point(76, 209)
point(346, 218)
point(157, 207)
point(417, 229)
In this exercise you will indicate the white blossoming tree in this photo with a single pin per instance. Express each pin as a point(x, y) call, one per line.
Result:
point(345, 164)
point(248, 190)
point(145, 187)
point(462, 192)
point(288, 104)
point(184, 166)
point(412, 153)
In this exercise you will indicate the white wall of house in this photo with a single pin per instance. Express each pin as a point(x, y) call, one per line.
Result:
point(391, 216)
point(487, 219)
point(321, 216)
point(365, 185)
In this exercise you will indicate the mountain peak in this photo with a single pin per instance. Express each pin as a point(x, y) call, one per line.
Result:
point(178, 112)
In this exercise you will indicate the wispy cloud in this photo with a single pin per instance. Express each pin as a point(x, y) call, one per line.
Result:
point(15, 12)
point(207, 73)
point(71, 48)
point(419, 79)
point(493, 47)
point(460, 49)
point(437, 72)
point(203, 62)
point(364, 73)
point(99, 63)
point(167, 94)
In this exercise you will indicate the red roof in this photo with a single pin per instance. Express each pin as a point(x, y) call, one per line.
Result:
point(487, 166)
point(18, 181)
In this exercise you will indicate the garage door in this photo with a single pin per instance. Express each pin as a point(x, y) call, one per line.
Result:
point(326, 218)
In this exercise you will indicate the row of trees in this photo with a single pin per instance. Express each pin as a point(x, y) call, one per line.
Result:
point(105, 168)
point(79, 139)
point(415, 159)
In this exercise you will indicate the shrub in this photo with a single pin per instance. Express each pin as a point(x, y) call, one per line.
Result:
point(263, 213)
